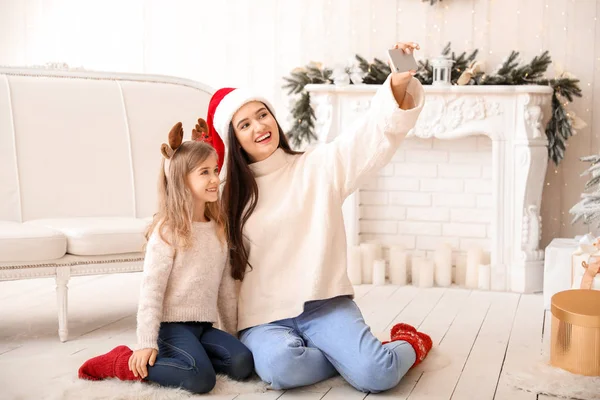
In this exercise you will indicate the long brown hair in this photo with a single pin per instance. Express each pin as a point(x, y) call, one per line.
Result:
point(240, 196)
point(175, 201)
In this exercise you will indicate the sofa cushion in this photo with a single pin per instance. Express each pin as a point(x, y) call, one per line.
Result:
point(99, 236)
point(24, 242)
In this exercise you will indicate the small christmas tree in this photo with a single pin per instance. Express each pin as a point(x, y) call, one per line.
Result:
point(588, 207)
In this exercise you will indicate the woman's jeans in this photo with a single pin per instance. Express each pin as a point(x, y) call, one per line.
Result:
point(330, 336)
point(190, 355)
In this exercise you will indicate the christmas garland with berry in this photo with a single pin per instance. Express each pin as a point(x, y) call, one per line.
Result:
point(464, 71)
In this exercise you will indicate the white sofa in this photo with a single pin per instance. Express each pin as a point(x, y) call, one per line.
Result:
point(79, 162)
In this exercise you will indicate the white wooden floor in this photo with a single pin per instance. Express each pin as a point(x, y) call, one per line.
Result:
point(484, 335)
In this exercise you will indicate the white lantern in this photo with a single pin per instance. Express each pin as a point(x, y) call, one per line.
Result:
point(441, 70)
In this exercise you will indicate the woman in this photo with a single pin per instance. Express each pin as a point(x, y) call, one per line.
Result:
point(288, 245)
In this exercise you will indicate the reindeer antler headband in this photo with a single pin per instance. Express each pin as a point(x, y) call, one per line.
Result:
point(199, 134)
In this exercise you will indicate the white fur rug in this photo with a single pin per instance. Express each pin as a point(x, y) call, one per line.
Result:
point(114, 389)
point(542, 378)
point(77, 389)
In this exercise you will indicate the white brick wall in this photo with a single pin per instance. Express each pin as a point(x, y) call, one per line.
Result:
point(433, 191)
point(455, 200)
point(419, 170)
point(388, 170)
point(443, 185)
point(375, 198)
point(484, 201)
point(464, 230)
point(426, 156)
point(409, 198)
point(427, 214)
point(393, 183)
point(419, 228)
point(383, 213)
point(470, 215)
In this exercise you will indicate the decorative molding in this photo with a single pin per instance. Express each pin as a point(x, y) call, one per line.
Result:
point(58, 66)
point(441, 115)
point(531, 107)
point(532, 234)
point(70, 260)
point(97, 269)
point(360, 106)
point(43, 271)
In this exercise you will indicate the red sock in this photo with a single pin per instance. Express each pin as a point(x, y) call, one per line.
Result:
point(402, 327)
point(419, 341)
point(114, 364)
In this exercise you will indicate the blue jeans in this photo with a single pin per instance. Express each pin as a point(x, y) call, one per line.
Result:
point(329, 337)
point(190, 354)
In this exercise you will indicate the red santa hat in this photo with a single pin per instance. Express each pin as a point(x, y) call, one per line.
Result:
point(223, 105)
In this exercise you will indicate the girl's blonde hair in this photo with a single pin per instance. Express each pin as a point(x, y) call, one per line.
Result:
point(175, 201)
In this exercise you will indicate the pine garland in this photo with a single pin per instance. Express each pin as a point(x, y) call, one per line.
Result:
point(558, 130)
point(302, 113)
point(588, 208)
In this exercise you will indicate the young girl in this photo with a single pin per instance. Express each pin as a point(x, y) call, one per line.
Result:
point(287, 241)
point(187, 282)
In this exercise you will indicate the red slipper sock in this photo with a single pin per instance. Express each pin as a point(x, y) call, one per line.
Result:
point(401, 327)
point(114, 364)
point(419, 341)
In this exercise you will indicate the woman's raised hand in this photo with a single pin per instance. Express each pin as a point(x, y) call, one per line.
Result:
point(400, 80)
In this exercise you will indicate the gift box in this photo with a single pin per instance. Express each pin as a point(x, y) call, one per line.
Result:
point(558, 275)
point(575, 332)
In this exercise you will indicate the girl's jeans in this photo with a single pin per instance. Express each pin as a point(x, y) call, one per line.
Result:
point(190, 355)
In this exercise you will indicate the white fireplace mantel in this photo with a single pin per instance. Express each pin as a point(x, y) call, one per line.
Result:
point(514, 118)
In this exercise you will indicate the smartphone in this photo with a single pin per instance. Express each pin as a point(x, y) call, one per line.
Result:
point(402, 62)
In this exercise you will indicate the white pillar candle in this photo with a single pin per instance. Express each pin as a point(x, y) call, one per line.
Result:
point(474, 257)
point(415, 263)
point(370, 253)
point(443, 265)
point(379, 272)
point(354, 265)
point(484, 276)
point(378, 248)
point(398, 258)
point(426, 273)
point(461, 270)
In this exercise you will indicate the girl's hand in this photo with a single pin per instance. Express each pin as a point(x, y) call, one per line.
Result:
point(140, 359)
point(400, 80)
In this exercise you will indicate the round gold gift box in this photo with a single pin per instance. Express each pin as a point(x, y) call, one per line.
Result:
point(575, 338)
